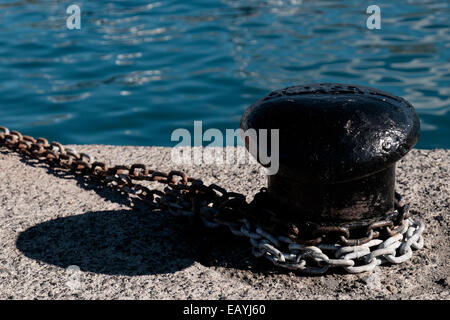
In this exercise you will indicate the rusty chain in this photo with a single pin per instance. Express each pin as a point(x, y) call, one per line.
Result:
point(390, 240)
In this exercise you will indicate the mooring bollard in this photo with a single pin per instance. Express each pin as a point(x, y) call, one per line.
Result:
point(337, 153)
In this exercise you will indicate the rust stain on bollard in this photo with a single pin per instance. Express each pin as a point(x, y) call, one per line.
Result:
point(337, 151)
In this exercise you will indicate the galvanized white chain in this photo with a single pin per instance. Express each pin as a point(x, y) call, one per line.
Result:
point(318, 259)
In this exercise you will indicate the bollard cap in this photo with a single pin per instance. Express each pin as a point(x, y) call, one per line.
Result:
point(332, 132)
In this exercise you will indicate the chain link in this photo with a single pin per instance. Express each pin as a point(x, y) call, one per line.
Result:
point(186, 196)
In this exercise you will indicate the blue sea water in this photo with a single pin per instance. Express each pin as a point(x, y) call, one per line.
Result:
point(137, 70)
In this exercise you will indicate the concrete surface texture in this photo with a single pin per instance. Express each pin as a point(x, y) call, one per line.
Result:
point(51, 221)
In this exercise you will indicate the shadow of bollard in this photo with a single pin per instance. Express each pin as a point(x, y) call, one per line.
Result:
point(109, 242)
point(126, 242)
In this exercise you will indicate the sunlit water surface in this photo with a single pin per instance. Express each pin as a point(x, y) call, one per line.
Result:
point(137, 70)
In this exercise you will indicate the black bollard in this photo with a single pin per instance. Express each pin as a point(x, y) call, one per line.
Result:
point(337, 151)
